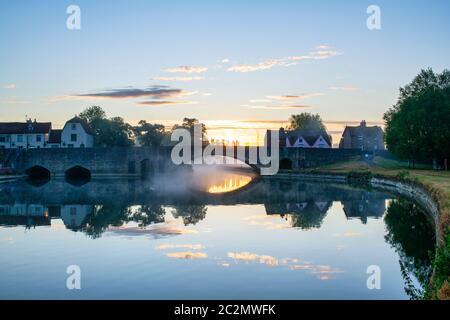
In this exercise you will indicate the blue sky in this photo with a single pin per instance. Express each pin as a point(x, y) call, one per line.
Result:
point(51, 73)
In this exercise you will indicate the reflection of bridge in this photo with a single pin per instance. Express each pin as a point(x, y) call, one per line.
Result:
point(144, 161)
point(306, 203)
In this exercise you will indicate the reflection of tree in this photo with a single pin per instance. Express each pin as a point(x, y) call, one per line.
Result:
point(147, 215)
point(191, 214)
point(411, 235)
point(105, 216)
point(304, 215)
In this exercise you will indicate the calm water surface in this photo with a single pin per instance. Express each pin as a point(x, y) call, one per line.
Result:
point(210, 236)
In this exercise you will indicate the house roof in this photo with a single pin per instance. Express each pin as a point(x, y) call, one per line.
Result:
point(55, 136)
point(25, 127)
point(83, 123)
point(309, 136)
point(363, 130)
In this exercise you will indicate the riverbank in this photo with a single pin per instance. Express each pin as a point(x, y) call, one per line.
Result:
point(430, 188)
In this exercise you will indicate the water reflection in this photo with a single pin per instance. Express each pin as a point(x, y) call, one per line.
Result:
point(221, 180)
point(159, 211)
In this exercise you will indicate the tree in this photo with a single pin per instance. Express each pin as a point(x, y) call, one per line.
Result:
point(108, 132)
point(189, 124)
point(150, 134)
point(307, 121)
point(93, 114)
point(417, 125)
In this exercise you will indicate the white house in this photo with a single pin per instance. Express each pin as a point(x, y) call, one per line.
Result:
point(24, 135)
point(77, 134)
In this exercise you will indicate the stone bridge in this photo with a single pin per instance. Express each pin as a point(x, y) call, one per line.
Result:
point(146, 161)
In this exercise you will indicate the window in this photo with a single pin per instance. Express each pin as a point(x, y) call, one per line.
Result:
point(73, 137)
point(73, 211)
point(20, 138)
point(2, 139)
point(38, 138)
point(74, 126)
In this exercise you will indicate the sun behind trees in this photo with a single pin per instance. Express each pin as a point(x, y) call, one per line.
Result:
point(418, 125)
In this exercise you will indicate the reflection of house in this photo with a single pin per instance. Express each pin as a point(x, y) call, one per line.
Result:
point(364, 208)
point(303, 215)
point(74, 215)
point(362, 137)
point(31, 215)
point(23, 135)
point(302, 138)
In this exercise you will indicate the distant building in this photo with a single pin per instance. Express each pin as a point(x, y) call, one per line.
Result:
point(302, 138)
point(363, 137)
point(24, 135)
point(77, 134)
point(33, 134)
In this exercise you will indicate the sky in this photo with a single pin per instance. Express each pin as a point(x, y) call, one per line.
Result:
point(238, 66)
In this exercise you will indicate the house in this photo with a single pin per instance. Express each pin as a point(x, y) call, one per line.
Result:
point(77, 134)
point(54, 139)
point(363, 137)
point(24, 135)
point(302, 138)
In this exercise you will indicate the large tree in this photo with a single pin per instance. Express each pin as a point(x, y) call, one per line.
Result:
point(150, 134)
point(417, 126)
point(189, 124)
point(306, 121)
point(108, 132)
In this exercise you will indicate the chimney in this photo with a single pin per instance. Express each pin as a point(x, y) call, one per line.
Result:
point(363, 123)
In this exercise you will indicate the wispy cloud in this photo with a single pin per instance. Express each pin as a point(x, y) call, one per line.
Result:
point(322, 52)
point(264, 65)
point(294, 97)
point(10, 86)
point(223, 61)
point(157, 103)
point(158, 94)
point(280, 107)
point(182, 79)
point(14, 102)
point(155, 92)
point(188, 255)
point(259, 100)
point(166, 246)
point(186, 69)
point(344, 88)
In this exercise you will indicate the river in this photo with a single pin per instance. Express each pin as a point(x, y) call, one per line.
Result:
point(220, 235)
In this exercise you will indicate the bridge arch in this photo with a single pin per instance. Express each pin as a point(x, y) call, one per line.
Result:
point(78, 173)
point(38, 172)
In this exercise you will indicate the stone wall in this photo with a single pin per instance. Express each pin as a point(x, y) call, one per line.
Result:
point(137, 161)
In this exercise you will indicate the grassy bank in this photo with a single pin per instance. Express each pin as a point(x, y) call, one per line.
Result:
point(437, 183)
